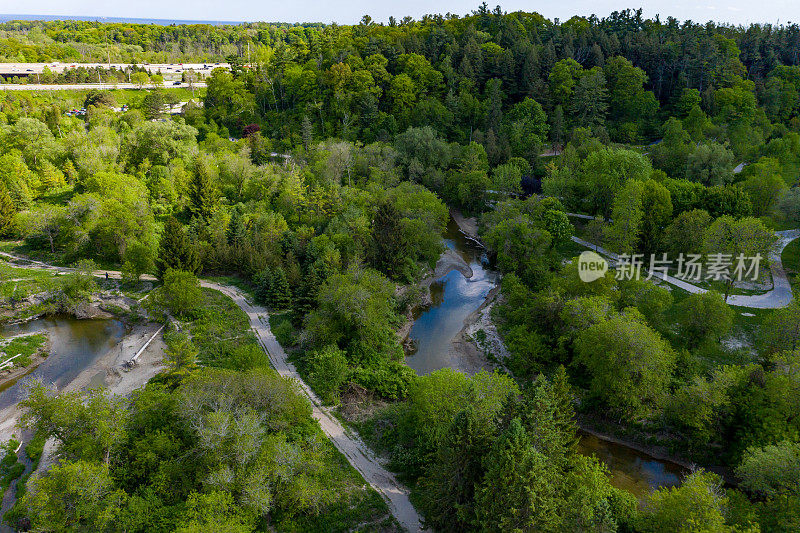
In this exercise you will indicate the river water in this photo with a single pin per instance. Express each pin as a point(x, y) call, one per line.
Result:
point(74, 346)
point(455, 297)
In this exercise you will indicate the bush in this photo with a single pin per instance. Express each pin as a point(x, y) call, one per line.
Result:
point(329, 371)
point(389, 380)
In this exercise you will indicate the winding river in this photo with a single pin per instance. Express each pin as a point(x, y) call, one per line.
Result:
point(455, 297)
point(74, 345)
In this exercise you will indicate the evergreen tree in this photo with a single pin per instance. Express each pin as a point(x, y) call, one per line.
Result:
point(175, 251)
point(557, 125)
point(306, 132)
point(390, 248)
point(519, 490)
point(448, 487)
point(280, 296)
point(236, 230)
point(306, 298)
point(202, 195)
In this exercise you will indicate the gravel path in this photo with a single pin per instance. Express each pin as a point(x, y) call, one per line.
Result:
point(359, 454)
point(780, 295)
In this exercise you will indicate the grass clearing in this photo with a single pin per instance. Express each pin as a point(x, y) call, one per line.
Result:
point(791, 263)
point(22, 348)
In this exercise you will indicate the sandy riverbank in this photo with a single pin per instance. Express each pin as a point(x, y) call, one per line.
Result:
point(467, 225)
point(106, 371)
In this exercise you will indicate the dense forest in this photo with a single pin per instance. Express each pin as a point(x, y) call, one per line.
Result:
point(319, 173)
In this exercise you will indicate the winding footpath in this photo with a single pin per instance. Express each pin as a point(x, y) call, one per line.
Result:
point(350, 445)
point(780, 295)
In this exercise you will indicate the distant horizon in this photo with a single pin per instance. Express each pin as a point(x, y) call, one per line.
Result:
point(700, 12)
point(10, 17)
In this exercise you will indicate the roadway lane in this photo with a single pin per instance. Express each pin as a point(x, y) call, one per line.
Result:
point(87, 86)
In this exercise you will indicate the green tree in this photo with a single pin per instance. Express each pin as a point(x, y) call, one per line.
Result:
point(390, 248)
point(686, 232)
point(704, 316)
point(699, 504)
point(7, 212)
point(43, 223)
point(73, 496)
point(590, 99)
point(175, 250)
point(771, 470)
point(747, 237)
point(781, 330)
point(328, 373)
point(153, 104)
point(86, 426)
point(203, 193)
point(138, 260)
point(630, 364)
point(710, 164)
point(764, 191)
point(519, 488)
point(181, 292)
point(140, 79)
point(623, 234)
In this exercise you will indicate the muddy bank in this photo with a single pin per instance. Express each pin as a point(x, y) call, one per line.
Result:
point(475, 351)
point(467, 225)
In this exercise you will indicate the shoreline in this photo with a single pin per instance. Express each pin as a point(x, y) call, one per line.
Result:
point(467, 225)
point(448, 261)
point(586, 424)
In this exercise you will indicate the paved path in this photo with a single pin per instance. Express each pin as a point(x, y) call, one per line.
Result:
point(780, 295)
point(357, 453)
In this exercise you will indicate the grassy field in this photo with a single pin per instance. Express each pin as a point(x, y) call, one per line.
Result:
point(24, 346)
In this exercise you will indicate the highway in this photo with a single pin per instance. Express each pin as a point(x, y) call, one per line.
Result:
point(87, 86)
point(28, 69)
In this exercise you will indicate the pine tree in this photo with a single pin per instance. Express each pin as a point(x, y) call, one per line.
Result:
point(448, 488)
point(175, 251)
point(306, 299)
point(280, 296)
point(307, 133)
point(236, 231)
point(520, 487)
point(557, 126)
point(564, 411)
point(390, 247)
point(202, 195)
point(7, 212)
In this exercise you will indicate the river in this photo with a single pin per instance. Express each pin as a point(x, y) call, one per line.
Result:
point(74, 345)
point(455, 297)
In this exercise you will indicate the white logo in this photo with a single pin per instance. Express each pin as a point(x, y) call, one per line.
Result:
point(591, 266)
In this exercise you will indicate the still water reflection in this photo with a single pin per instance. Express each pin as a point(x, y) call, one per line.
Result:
point(74, 345)
point(631, 470)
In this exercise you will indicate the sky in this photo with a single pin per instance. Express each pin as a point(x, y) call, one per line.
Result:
point(351, 11)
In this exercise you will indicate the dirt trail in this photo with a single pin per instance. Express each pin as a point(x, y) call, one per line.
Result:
point(357, 453)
